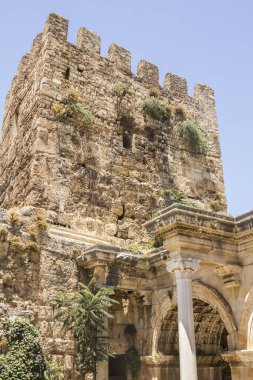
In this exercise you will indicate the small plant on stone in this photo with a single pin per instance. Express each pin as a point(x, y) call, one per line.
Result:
point(159, 357)
point(155, 108)
point(216, 204)
point(155, 91)
point(135, 247)
point(14, 217)
point(18, 246)
point(60, 110)
point(121, 89)
point(71, 108)
point(7, 279)
point(179, 197)
point(154, 242)
point(168, 192)
point(86, 115)
point(190, 133)
point(32, 246)
point(53, 371)
point(3, 234)
point(38, 229)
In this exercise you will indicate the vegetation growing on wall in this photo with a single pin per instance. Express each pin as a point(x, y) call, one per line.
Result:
point(179, 197)
point(3, 233)
point(121, 89)
point(140, 248)
point(14, 217)
point(156, 108)
point(39, 228)
point(84, 312)
point(192, 136)
point(216, 204)
point(71, 108)
point(155, 91)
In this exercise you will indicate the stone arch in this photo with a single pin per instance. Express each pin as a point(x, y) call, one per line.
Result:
point(209, 296)
point(245, 334)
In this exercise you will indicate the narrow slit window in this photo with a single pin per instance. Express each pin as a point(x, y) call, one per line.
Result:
point(127, 132)
point(67, 73)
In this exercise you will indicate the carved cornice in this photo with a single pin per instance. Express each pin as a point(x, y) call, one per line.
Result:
point(195, 222)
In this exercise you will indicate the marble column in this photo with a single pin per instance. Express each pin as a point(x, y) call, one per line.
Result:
point(183, 269)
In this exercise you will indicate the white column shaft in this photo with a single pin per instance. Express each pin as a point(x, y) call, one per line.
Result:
point(187, 346)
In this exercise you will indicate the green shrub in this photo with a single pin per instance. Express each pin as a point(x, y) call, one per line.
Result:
point(190, 133)
point(23, 358)
point(155, 108)
point(133, 362)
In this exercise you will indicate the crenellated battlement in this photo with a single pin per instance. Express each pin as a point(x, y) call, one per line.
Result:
point(88, 42)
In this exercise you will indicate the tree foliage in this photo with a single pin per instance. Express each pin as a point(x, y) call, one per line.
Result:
point(21, 355)
point(21, 358)
point(84, 311)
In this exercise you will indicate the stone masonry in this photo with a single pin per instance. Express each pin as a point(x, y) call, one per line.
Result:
point(85, 176)
point(81, 200)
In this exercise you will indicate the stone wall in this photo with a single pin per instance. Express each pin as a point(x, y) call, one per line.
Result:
point(85, 175)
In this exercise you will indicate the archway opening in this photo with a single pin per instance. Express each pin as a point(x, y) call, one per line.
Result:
point(210, 336)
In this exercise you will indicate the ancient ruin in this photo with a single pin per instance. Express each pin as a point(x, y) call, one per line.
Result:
point(128, 176)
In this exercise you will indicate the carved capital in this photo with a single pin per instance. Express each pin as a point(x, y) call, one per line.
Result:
point(182, 267)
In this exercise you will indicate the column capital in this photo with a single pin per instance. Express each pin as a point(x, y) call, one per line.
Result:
point(182, 267)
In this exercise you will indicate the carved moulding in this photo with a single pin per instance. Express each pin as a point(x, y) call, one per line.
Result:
point(230, 274)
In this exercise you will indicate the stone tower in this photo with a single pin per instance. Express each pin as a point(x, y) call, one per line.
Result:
point(109, 177)
point(119, 179)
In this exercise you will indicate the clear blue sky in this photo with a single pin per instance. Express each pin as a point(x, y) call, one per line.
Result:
point(205, 41)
